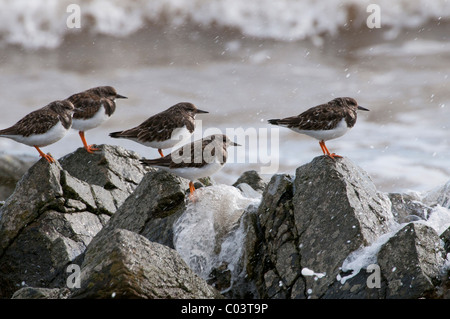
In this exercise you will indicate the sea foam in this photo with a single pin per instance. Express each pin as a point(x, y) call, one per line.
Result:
point(42, 23)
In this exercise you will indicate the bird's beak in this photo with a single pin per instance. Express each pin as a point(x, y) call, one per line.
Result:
point(118, 96)
point(362, 108)
point(234, 144)
point(201, 111)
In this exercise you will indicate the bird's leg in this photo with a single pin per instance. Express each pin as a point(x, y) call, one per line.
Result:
point(160, 152)
point(48, 157)
point(88, 148)
point(322, 146)
point(191, 191)
point(327, 152)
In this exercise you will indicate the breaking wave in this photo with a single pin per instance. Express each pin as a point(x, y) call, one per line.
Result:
point(43, 23)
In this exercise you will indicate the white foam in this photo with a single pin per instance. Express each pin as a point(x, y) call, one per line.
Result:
point(439, 220)
point(42, 23)
point(310, 273)
point(364, 256)
point(208, 234)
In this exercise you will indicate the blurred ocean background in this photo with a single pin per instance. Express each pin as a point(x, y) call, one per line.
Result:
point(245, 61)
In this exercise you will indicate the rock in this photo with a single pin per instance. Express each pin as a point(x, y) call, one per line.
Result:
point(408, 207)
point(112, 168)
point(445, 236)
point(271, 226)
point(313, 223)
point(127, 265)
point(38, 187)
point(152, 208)
point(411, 261)
point(253, 179)
point(12, 168)
point(337, 209)
point(438, 196)
point(119, 223)
point(52, 216)
point(41, 293)
point(356, 287)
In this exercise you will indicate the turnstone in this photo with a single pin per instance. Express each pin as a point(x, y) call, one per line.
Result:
point(42, 127)
point(165, 129)
point(198, 159)
point(92, 108)
point(324, 122)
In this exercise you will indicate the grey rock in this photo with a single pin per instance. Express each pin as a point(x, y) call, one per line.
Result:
point(337, 209)
point(411, 261)
point(52, 216)
point(41, 293)
point(314, 222)
point(127, 265)
point(438, 196)
point(356, 288)
point(408, 207)
point(270, 227)
point(112, 167)
point(38, 187)
point(445, 236)
point(152, 208)
point(76, 189)
point(12, 168)
point(107, 214)
point(253, 179)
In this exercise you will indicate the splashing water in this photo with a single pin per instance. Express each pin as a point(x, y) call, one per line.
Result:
point(209, 233)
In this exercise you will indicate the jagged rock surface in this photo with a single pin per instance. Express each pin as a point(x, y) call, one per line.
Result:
point(127, 265)
point(116, 220)
point(52, 216)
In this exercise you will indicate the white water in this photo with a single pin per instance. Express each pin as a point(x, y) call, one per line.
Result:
point(42, 23)
point(438, 219)
point(245, 62)
point(209, 233)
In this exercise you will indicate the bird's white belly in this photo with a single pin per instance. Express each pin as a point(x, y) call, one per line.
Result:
point(87, 124)
point(326, 135)
point(178, 136)
point(193, 173)
point(53, 135)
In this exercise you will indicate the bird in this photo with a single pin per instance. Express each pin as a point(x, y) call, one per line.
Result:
point(165, 129)
point(195, 160)
point(324, 122)
point(42, 127)
point(92, 108)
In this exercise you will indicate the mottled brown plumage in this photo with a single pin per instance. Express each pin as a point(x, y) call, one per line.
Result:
point(42, 127)
point(196, 154)
point(325, 121)
point(42, 120)
point(89, 102)
point(198, 159)
point(157, 131)
point(92, 108)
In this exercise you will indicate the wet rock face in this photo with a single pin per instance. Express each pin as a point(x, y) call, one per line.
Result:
point(12, 168)
point(337, 209)
point(318, 234)
point(153, 207)
point(411, 261)
point(52, 216)
point(151, 271)
point(312, 223)
point(308, 225)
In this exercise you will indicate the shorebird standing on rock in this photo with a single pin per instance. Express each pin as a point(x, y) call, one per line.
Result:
point(165, 129)
point(198, 159)
point(92, 108)
point(42, 127)
point(324, 122)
